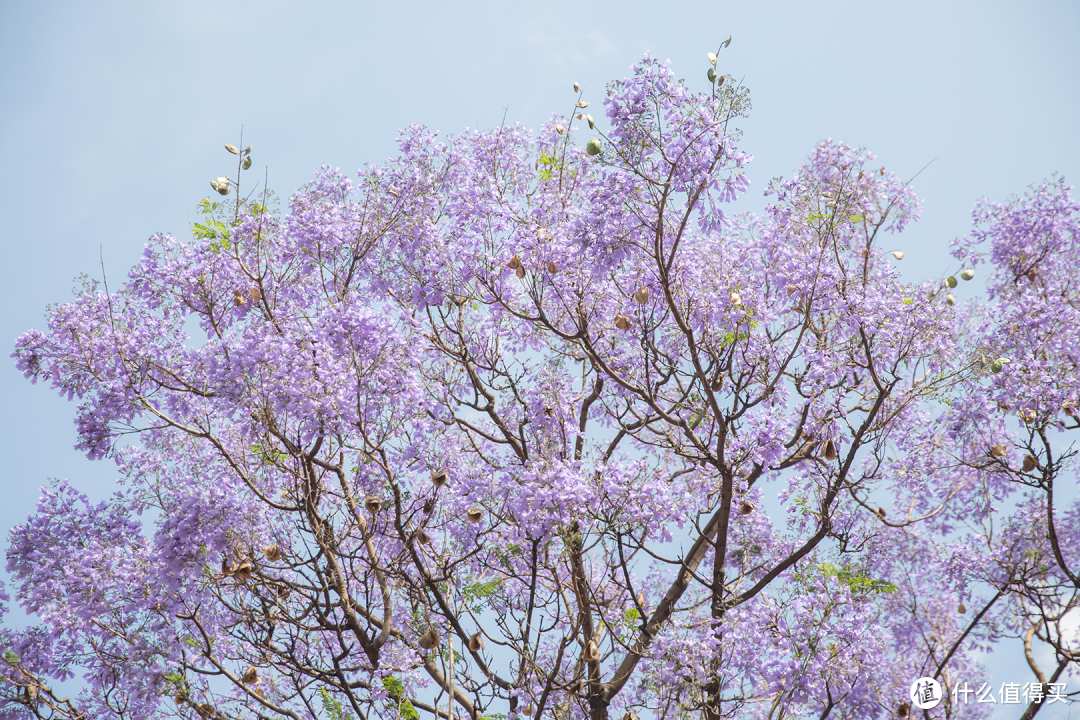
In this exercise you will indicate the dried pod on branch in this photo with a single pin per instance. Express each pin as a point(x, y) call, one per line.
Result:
point(243, 570)
point(998, 450)
point(1030, 463)
point(439, 478)
point(250, 676)
point(475, 514)
point(429, 639)
point(476, 643)
point(373, 504)
point(272, 552)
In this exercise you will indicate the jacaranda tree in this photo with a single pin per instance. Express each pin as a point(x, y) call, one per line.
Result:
point(525, 425)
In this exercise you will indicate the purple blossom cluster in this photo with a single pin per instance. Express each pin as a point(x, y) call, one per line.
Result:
point(512, 428)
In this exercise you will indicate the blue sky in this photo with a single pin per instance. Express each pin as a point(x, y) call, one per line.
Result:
point(113, 116)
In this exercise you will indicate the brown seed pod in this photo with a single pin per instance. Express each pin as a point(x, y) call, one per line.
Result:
point(256, 294)
point(903, 710)
point(792, 289)
point(642, 295)
point(515, 262)
point(998, 450)
point(622, 322)
point(552, 267)
point(641, 599)
point(429, 639)
point(717, 384)
point(475, 514)
point(592, 653)
point(238, 298)
point(1033, 274)
point(226, 567)
point(881, 513)
point(520, 272)
point(31, 692)
point(243, 571)
point(898, 254)
point(429, 506)
point(476, 643)
point(421, 536)
point(282, 591)
point(1030, 463)
point(560, 129)
point(1027, 415)
point(528, 708)
point(830, 450)
point(736, 300)
point(745, 508)
point(272, 552)
point(961, 609)
point(259, 692)
point(439, 478)
point(373, 504)
point(250, 676)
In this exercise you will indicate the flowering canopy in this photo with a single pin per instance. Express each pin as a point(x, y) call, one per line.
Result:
point(515, 427)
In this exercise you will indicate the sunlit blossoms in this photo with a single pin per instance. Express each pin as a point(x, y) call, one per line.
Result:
point(526, 424)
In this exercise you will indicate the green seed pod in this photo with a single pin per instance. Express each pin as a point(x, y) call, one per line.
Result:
point(592, 124)
point(593, 147)
point(996, 366)
point(711, 75)
point(951, 281)
point(247, 150)
point(712, 58)
point(967, 274)
point(951, 299)
point(232, 149)
point(247, 163)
